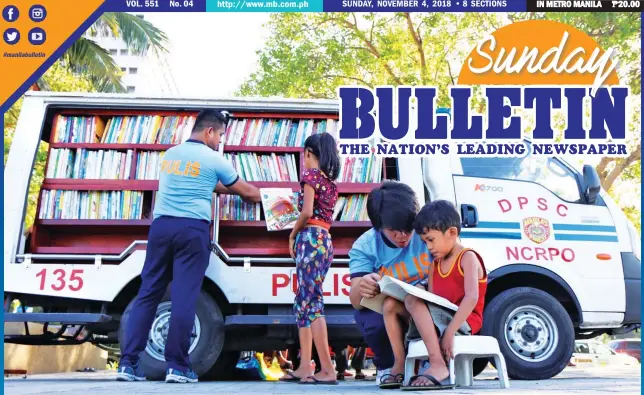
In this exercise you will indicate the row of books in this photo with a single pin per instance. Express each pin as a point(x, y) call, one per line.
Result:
point(148, 165)
point(347, 208)
point(57, 204)
point(175, 129)
point(148, 129)
point(141, 129)
point(89, 164)
point(82, 163)
point(351, 208)
point(78, 129)
point(361, 169)
point(272, 167)
point(276, 132)
point(233, 208)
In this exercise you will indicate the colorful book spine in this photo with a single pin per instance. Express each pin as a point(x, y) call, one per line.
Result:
point(103, 205)
point(78, 129)
point(233, 208)
point(276, 132)
point(271, 167)
point(148, 129)
point(361, 170)
point(148, 165)
point(82, 163)
point(351, 208)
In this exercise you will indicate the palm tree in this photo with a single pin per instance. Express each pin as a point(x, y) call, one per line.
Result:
point(86, 56)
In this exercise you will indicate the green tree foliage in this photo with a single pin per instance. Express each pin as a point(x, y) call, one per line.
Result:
point(310, 55)
point(88, 58)
point(86, 67)
point(59, 79)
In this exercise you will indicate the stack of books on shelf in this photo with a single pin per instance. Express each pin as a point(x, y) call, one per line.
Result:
point(276, 132)
point(141, 129)
point(233, 208)
point(148, 129)
point(78, 129)
point(88, 164)
point(351, 208)
point(57, 204)
point(360, 169)
point(81, 214)
point(148, 165)
point(253, 167)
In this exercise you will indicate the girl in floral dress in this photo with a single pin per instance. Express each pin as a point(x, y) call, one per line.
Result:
point(310, 245)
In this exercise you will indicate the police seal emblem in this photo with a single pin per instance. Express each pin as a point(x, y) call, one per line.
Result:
point(537, 229)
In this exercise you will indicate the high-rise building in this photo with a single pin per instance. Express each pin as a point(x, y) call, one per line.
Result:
point(141, 74)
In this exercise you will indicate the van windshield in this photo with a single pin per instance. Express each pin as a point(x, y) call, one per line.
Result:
point(549, 172)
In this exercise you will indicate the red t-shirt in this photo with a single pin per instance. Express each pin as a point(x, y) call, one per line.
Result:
point(451, 286)
point(326, 195)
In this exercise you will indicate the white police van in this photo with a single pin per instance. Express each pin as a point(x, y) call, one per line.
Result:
point(563, 260)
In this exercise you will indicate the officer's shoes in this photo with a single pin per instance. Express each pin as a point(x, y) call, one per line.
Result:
point(129, 373)
point(177, 376)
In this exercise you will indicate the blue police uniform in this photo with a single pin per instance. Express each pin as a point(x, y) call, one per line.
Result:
point(178, 248)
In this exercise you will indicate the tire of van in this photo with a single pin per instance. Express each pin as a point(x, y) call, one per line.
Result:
point(208, 334)
point(534, 331)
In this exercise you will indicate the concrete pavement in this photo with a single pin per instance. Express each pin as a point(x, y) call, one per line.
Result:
point(601, 380)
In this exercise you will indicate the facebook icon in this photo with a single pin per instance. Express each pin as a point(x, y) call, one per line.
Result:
point(10, 13)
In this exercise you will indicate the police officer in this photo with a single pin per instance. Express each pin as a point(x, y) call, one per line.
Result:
point(179, 245)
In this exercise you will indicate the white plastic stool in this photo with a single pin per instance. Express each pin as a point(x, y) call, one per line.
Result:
point(466, 349)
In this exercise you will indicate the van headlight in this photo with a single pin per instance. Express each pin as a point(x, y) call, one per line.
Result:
point(636, 240)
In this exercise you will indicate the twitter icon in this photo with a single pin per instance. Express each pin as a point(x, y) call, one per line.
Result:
point(11, 36)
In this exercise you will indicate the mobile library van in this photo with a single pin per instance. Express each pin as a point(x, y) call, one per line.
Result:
point(563, 260)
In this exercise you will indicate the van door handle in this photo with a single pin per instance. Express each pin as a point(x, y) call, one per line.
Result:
point(469, 215)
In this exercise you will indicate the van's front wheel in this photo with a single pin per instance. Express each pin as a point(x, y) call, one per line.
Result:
point(534, 331)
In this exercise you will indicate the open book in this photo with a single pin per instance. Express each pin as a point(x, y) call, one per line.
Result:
point(280, 208)
point(397, 289)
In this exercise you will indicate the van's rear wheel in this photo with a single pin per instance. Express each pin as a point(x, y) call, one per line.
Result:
point(206, 342)
point(534, 331)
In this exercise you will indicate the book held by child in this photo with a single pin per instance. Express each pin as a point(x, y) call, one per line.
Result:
point(280, 208)
point(397, 289)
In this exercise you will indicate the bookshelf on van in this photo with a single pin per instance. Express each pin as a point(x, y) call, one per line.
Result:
point(102, 170)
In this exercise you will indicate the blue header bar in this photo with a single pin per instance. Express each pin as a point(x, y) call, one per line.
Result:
point(371, 6)
point(424, 6)
point(155, 6)
point(265, 5)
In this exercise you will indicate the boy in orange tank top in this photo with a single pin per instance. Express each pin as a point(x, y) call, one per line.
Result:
point(458, 275)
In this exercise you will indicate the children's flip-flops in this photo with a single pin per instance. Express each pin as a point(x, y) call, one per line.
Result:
point(319, 382)
point(290, 377)
point(437, 385)
point(394, 383)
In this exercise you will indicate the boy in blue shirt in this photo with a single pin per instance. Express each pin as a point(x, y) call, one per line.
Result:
point(179, 245)
point(390, 248)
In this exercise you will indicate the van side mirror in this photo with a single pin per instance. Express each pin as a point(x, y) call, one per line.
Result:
point(592, 186)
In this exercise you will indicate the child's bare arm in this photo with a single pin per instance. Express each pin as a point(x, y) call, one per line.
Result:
point(305, 214)
point(470, 265)
point(426, 284)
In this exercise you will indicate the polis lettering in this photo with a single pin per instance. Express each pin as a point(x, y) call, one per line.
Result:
point(400, 269)
point(282, 281)
point(176, 167)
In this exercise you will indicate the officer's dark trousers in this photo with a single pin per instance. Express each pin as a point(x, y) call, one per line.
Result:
point(178, 250)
